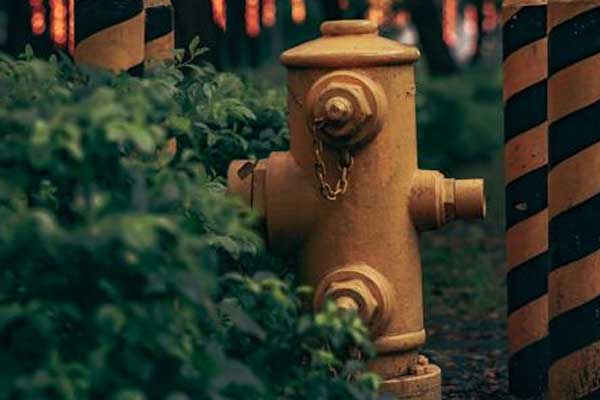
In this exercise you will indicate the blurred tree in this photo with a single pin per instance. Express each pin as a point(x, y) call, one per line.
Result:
point(19, 30)
point(194, 18)
point(479, 5)
point(235, 34)
point(332, 10)
point(428, 21)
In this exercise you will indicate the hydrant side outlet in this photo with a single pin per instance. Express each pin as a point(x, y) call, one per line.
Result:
point(350, 194)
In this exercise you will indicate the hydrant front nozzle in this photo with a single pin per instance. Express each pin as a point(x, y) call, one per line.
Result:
point(348, 107)
point(361, 288)
point(354, 294)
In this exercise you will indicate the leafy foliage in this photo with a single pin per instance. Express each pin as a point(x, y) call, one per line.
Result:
point(112, 276)
point(459, 118)
point(229, 118)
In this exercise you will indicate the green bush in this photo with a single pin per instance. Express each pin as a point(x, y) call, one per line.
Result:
point(229, 118)
point(459, 117)
point(122, 264)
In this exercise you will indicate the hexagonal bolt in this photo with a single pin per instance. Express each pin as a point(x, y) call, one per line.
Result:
point(417, 370)
point(345, 108)
point(354, 294)
point(346, 303)
point(338, 109)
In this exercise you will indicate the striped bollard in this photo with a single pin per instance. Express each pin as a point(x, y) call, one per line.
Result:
point(160, 30)
point(574, 198)
point(110, 34)
point(160, 40)
point(526, 157)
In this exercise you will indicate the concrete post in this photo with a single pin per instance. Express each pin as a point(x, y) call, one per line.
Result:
point(160, 30)
point(110, 34)
point(574, 198)
point(526, 158)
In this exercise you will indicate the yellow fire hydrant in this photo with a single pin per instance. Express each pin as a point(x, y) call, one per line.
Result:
point(350, 194)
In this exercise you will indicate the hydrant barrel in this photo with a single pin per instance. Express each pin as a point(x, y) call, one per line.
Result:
point(350, 194)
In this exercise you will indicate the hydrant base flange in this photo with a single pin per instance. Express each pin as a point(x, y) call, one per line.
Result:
point(424, 386)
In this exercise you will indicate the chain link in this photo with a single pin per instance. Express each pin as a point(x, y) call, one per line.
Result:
point(345, 162)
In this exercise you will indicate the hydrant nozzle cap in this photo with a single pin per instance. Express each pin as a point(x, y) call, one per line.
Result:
point(470, 198)
point(349, 43)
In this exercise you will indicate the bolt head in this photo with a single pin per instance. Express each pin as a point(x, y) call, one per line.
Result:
point(358, 291)
point(338, 109)
point(417, 370)
point(345, 109)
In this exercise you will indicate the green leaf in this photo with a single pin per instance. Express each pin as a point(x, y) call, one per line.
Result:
point(241, 320)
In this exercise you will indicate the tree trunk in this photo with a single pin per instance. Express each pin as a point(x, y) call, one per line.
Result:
point(427, 18)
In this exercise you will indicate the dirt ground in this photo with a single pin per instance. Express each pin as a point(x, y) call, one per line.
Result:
point(472, 354)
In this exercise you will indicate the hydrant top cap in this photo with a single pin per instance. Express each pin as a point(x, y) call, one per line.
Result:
point(349, 43)
point(157, 3)
point(348, 27)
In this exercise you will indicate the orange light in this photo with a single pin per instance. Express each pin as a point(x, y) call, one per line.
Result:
point(490, 16)
point(58, 22)
point(38, 17)
point(402, 18)
point(38, 22)
point(60, 11)
point(471, 27)
point(471, 19)
point(379, 11)
point(449, 12)
point(219, 9)
point(269, 13)
point(252, 18)
point(343, 4)
point(71, 36)
point(298, 11)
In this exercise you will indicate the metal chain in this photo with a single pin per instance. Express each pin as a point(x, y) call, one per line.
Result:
point(345, 162)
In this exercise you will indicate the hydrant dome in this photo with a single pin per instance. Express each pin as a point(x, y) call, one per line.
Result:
point(349, 43)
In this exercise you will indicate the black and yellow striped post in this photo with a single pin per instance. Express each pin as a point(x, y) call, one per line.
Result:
point(526, 158)
point(160, 40)
point(160, 30)
point(574, 198)
point(110, 34)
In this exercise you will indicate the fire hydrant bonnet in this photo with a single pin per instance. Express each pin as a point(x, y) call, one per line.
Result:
point(349, 43)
